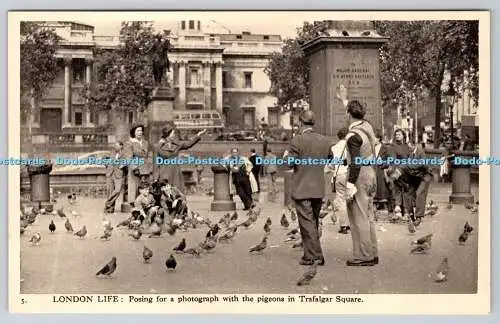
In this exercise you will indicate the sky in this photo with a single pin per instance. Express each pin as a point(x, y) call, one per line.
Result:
point(213, 23)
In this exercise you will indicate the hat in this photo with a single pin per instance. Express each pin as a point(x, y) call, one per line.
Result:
point(307, 117)
point(132, 130)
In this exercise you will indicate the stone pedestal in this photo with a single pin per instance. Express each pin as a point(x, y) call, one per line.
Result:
point(346, 59)
point(461, 179)
point(160, 111)
point(40, 182)
point(287, 190)
point(222, 199)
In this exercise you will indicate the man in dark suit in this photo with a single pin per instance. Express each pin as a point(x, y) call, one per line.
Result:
point(115, 179)
point(307, 185)
point(256, 169)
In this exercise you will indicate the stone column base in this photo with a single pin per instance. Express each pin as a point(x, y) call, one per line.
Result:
point(461, 198)
point(126, 207)
point(223, 205)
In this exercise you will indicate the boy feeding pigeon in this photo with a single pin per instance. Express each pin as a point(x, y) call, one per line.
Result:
point(145, 202)
point(173, 200)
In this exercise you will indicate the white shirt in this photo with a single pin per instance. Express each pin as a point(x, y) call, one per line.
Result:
point(339, 152)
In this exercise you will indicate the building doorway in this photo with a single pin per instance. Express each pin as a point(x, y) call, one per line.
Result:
point(249, 117)
point(51, 120)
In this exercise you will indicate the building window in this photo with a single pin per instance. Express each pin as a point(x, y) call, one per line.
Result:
point(199, 25)
point(238, 36)
point(78, 118)
point(191, 24)
point(224, 79)
point(248, 79)
point(266, 37)
point(194, 75)
point(183, 25)
point(78, 67)
point(273, 116)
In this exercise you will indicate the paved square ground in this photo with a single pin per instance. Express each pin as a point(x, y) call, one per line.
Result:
point(65, 264)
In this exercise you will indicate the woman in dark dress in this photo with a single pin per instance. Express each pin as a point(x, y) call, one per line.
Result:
point(169, 147)
point(384, 194)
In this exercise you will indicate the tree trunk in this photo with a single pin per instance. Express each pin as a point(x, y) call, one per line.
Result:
point(437, 117)
point(30, 114)
point(120, 124)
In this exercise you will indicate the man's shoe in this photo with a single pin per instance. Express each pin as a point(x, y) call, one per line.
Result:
point(306, 262)
point(360, 263)
point(375, 260)
point(344, 230)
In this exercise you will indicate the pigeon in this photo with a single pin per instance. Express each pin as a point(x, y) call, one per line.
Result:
point(293, 232)
point(181, 246)
point(52, 226)
point(463, 237)
point(253, 213)
point(36, 238)
point(107, 234)
point(214, 229)
point(82, 232)
point(269, 222)
point(298, 244)
point(411, 226)
point(209, 244)
point(422, 245)
point(228, 234)
point(234, 216)
point(193, 251)
point(171, 263)
point(147, 254)
point(155, 229)
point(293, 215)
point(171, 229)
point(259, 247)
point(136, 234)
point(125, 222)
point(68, 226)
point(60, 213)
point(267, 228)
point(468, 228)
point(442, 271)
point(108, 269)
point(308, 275)
point(284, 221)
point(246, 224)
point(449, 206)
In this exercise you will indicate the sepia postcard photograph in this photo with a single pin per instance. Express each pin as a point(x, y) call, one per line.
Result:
point(288, 162)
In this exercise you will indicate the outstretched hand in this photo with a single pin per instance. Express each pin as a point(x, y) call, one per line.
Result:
point(201, 132)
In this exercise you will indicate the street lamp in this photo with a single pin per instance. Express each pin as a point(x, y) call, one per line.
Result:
point(450, 97)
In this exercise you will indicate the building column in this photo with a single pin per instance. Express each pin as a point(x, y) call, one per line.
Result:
point(218, 87)
point(67, 92)
point(182, 85)
point(207, 84)
point(88, 79)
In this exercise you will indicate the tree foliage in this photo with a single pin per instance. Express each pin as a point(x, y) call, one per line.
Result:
point(414, 61)
point(288, 70)
point(124, 76)
point(38, 64)
point(421, 54)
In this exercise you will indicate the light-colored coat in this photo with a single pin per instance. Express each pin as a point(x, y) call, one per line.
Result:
point(248, 168)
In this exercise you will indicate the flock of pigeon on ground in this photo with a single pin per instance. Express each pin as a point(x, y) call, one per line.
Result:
point(224, 231)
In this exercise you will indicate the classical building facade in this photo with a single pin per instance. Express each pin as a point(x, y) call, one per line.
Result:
point(212, 71)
